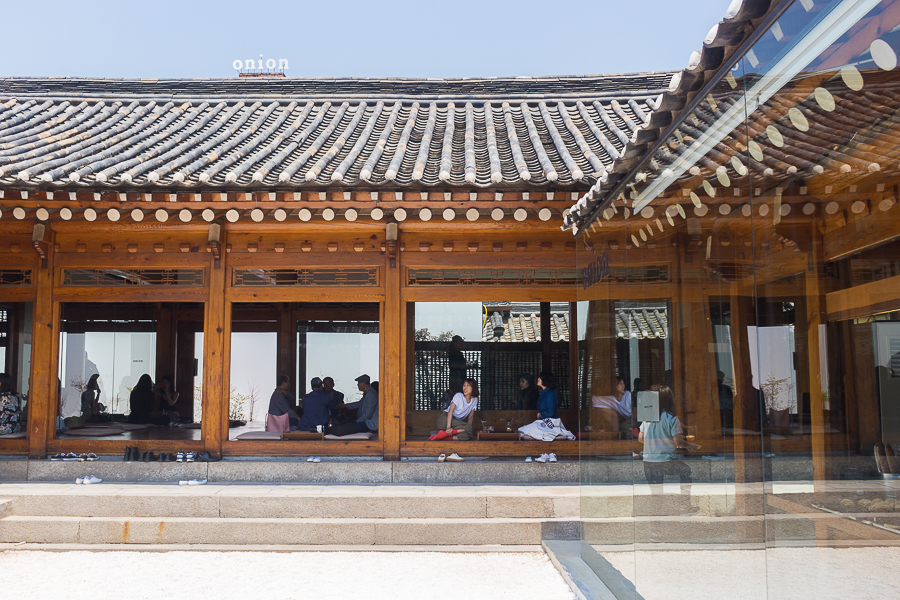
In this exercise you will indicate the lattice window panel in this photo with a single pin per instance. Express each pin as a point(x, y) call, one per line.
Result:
point(305, 277)
point(497, 371)
point(116, 277)
point(493, 276)
point(15, 277)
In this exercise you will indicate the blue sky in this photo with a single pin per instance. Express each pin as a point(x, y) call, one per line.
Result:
point(340, 38)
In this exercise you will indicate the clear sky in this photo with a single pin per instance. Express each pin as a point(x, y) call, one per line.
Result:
point(355, 38)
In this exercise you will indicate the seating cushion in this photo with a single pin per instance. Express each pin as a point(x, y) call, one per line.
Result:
point(94, 432)
point(191, 426)
point(260, 435)
point(528, 438)
point(362, 435)
point(14, 436)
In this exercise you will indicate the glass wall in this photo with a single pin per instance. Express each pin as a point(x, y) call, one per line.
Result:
point(748, 277)
point(15, 363)
point(130, 370)
point(504, 347)
point(301, 341)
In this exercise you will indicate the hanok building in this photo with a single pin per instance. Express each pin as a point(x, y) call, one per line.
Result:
point(729, 232)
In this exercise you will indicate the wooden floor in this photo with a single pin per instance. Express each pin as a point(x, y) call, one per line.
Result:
point(152, 433)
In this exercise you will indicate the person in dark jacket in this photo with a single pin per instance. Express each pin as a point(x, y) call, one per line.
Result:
point(546, 403)
point(316, 409)
point(528, 394)
point(141, 400)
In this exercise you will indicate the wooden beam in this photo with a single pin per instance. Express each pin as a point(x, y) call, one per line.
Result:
point(864, 300)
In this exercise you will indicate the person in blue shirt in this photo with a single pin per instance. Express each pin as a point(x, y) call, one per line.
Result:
point(546, 403)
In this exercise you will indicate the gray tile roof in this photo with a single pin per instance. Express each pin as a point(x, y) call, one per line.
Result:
point(288, 133)
point(642, 322)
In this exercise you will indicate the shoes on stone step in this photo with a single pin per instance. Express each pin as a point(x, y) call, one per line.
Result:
point(455, 458)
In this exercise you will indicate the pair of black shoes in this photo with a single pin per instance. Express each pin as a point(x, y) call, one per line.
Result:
point(132, 454)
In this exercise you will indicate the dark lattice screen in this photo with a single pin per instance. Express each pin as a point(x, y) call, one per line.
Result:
point(496, 367)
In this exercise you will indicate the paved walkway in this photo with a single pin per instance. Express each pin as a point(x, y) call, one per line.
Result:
point(320, 575)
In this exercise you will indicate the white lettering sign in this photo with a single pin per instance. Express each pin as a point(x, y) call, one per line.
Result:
point(252, 64)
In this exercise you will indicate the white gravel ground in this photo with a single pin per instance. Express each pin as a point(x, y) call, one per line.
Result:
point(274, 576)
point(773, 574)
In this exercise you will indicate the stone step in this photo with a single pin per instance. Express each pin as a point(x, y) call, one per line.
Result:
point(375, 502)
point(285, 531)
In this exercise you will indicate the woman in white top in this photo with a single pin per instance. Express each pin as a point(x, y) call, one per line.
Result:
point(457, 420)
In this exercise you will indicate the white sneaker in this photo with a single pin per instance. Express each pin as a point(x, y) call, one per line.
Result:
point(197, 482)
point(91, 479)
point(552, 457)
point(184, 483)
point(317, 459)
point(528, 459)
point(80, 480)
point(442, 458)
point(455, 458)
point(311, 459)
point(542, 458)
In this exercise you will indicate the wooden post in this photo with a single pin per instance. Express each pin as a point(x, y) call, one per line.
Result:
point(815, 320)
point(216, 360)
point(546, 338)
point(43, 395)
point(286, 329)
point(165, 342)
point(393, 332)
point(699, 392)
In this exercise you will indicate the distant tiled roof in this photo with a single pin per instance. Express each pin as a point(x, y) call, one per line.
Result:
point(522, 323)
point(642, 323)
point(285, 133)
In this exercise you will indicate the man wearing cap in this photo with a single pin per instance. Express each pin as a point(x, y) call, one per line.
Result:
point(315, 407)
point(366, 409)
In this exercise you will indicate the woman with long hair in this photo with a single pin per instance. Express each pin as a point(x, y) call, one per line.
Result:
point(89, 398)
point(528, 394)
point(456, 421)
point(141, 400)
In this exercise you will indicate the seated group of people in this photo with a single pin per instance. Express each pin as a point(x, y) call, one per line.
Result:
point(150, 404)
point(456, 421)
point(324, 407)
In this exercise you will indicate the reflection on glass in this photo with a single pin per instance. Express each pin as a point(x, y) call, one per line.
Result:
point(773, 205)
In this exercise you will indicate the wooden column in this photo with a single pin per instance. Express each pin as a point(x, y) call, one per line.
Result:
point(546, 339)
point(165, 342)
point(393, 332)
point(815, 316)
point(861, 386)
point(216, 359)
point(699, 395)
point(285, 359)
point(43, 395)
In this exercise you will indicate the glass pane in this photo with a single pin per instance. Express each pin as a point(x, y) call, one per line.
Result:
point(279, 350)
point(15, 366)
point(129, 370)
point(501, 347)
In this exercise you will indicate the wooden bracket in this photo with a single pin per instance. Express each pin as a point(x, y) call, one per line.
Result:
point(215, 234)
point(37, 236)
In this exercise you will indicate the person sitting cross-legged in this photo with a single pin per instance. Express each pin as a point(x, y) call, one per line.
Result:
point(366, 410)
point(315, 407)
point(456, 421)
